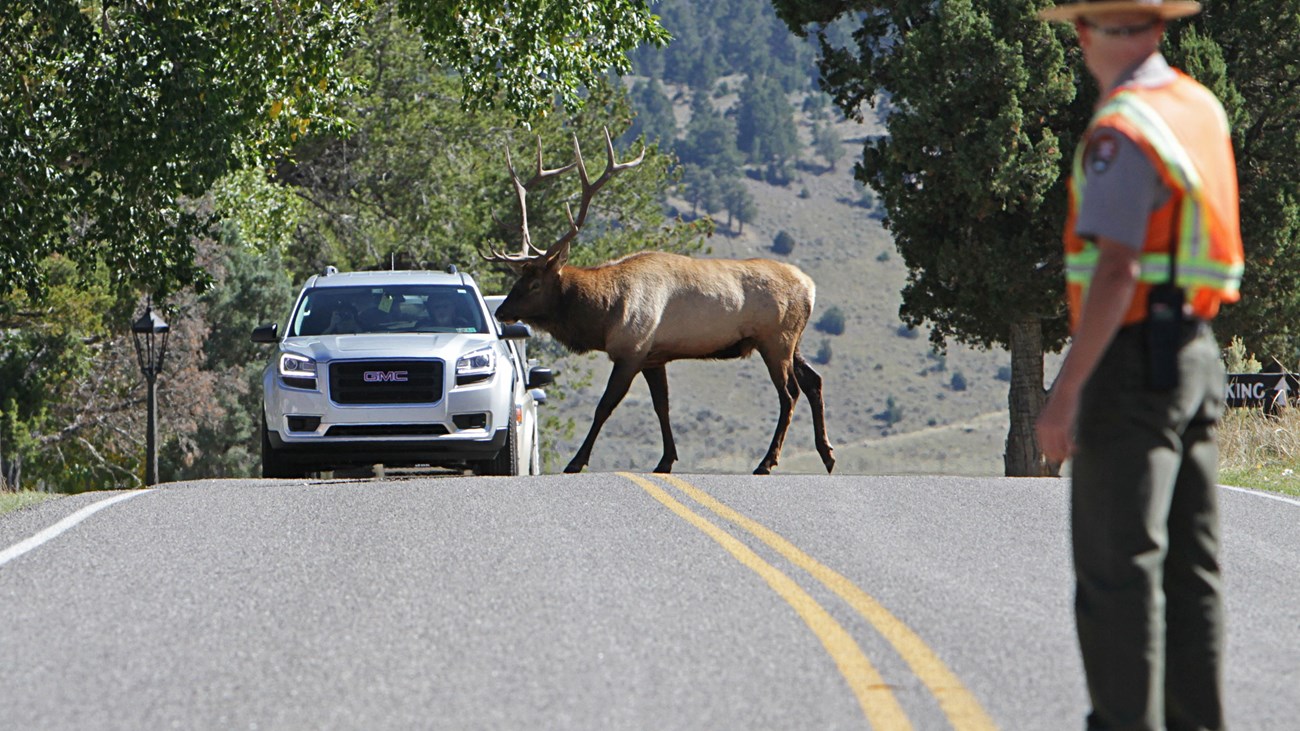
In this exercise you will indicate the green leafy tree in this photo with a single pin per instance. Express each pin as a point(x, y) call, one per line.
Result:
point(421, 182)
point(114, 114)
point(982, 109)
point(520, 55)
point(65, 385)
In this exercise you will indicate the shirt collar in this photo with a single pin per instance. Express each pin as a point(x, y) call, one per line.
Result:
point(1150, 72)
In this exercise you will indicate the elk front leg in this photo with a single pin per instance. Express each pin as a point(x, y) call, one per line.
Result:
point(657, 380)
point(620, 379)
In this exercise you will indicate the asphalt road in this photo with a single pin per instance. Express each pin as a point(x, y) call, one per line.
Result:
point(596, 601)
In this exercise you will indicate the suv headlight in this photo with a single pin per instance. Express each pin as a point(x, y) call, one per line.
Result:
point(477, 365)
point(297, 370)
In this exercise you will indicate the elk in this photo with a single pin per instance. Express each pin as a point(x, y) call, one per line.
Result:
point(650, 308)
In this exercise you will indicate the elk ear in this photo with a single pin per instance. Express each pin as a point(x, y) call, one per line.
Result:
point(557, 259)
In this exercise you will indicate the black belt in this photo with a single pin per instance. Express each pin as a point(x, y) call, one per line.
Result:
point(1192, 328)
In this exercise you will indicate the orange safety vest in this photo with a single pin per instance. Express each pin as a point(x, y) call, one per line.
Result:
point(1183, 130)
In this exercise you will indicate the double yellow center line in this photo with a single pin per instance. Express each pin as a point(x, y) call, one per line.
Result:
point(875, 698)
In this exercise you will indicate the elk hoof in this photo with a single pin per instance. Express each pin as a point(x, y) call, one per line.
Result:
point(664, 467)
point(828, 459)
point(763, 470)
point(574, 468)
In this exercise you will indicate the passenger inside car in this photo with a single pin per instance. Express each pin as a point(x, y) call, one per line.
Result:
point(446, 312)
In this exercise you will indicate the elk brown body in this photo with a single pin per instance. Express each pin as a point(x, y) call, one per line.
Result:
point(648, 309)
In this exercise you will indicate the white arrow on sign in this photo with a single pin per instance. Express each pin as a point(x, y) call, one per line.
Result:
point(1281, 391)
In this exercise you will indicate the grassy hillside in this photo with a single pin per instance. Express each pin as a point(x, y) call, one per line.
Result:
point(949, 413)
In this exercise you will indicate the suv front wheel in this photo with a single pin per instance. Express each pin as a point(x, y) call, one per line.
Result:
point(506, 461)
point(273, 463)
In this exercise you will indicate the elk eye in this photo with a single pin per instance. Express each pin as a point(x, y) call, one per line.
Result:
point(534, 285)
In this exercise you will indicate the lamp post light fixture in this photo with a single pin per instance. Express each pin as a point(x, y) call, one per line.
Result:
point(150, 333)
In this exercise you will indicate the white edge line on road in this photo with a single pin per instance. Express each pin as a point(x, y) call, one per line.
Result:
point(58, 528)
point(1256, 493)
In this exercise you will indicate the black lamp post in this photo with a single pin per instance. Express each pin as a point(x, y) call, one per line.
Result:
point(150, 333)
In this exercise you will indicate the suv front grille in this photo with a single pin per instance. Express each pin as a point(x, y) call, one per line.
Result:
point(386, 381)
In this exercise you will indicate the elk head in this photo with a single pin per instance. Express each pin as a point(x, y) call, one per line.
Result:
point(534, 295)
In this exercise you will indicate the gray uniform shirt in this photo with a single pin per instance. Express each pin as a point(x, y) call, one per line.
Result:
point(1122, 186)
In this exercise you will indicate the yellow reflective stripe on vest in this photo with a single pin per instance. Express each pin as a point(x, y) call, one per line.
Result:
point(1195, 268)
point(1154, 269)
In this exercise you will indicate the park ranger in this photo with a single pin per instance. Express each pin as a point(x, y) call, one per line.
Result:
point(1152, 247)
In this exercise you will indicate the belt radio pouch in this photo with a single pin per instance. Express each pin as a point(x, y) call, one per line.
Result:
point(1164, 336)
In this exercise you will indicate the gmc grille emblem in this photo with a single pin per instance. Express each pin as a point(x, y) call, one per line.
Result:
point(384, 377)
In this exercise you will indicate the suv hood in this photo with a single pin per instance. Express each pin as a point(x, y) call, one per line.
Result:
point(397, 345)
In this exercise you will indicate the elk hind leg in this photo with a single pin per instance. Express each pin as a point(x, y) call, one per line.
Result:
point(657, 380)
point(810, 382)
point(787, 388)
point(620, 379)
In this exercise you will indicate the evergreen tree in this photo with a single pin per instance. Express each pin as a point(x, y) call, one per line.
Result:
point(827, 143)
point(654, 115)
point(710, 140)
point(1248, 54)
point(686, 52)
point(765, 122)
point(740, 204)
point(983, 113)
point(745, 27)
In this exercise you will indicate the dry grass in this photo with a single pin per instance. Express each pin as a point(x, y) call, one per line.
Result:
point(1261, 451)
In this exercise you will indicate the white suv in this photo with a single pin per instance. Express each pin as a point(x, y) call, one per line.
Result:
point(399, 369)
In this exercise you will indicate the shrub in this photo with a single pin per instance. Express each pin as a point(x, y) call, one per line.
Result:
point(831, 322)
point(958, 381)
point(783, 244)
point(892, 414)
point(1237, 360)
point(823, 353)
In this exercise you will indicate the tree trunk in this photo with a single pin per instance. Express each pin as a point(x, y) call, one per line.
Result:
point(1026, 398)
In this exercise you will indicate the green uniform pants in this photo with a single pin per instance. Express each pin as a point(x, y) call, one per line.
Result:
point(1145, 529)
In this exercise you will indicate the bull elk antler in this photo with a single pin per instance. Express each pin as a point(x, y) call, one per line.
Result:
point(528, 251)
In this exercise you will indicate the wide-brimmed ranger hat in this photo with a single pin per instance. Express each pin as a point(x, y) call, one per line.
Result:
point(1166, 9)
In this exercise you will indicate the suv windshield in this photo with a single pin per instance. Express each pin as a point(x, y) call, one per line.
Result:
point(404, 308)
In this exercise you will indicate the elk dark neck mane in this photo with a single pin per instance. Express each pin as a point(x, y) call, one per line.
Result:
point(583, 309)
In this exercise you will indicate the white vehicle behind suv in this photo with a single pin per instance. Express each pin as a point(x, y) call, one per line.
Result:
point(399, 369)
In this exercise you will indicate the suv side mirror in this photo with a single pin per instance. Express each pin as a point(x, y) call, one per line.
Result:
point(539, 376)
point(267, 333)
point(516, 331)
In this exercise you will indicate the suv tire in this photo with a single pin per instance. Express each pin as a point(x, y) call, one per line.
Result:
point(507, 460)
point(273, 463)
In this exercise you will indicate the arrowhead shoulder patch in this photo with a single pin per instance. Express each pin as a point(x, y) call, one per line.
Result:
point(1102, 150)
